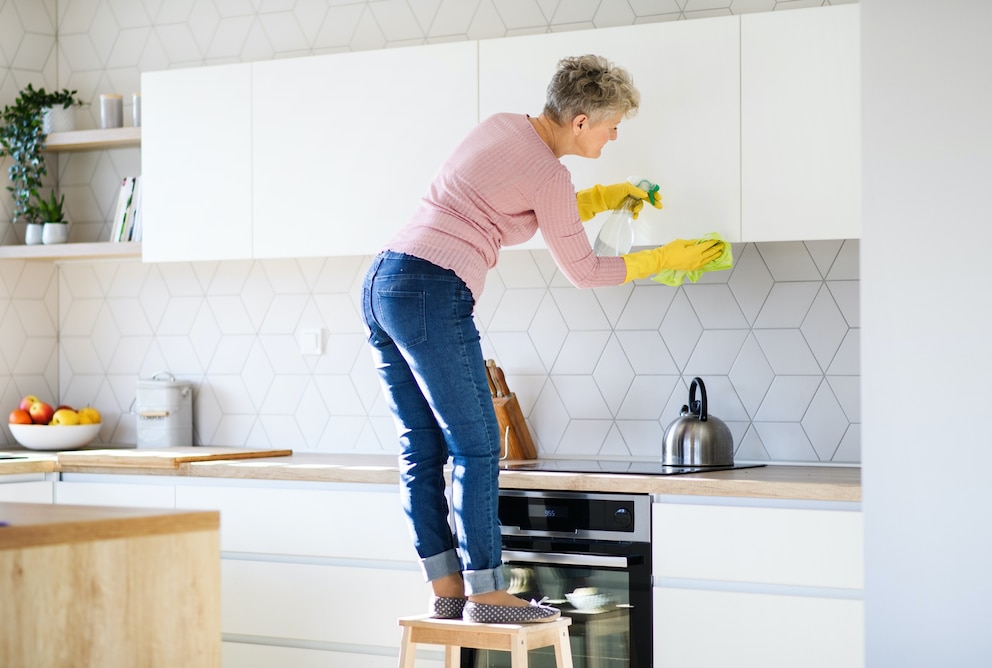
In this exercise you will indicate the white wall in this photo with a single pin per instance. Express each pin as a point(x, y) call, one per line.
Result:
point(926, 328)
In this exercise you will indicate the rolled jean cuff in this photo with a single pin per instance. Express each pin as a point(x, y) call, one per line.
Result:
point(485, 581)
point(440, 565)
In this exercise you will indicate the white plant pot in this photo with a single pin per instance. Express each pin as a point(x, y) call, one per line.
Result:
point(58, 119)
point(54, 233)
point(32, 234)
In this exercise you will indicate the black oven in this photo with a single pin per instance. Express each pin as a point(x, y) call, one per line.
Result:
point(588, 554)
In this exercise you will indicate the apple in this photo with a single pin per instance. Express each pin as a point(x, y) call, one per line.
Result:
point(26, 402)
point(65, 416)
point(66, 406)
point(89, 415)
point(41, 413)
point(19, 416)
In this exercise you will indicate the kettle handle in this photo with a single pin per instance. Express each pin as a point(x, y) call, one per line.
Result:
point(698, 407)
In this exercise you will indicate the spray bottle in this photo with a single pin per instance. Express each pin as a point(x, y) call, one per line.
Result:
point(616, 237)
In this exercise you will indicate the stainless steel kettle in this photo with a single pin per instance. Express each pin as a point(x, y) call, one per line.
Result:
point(697, 438)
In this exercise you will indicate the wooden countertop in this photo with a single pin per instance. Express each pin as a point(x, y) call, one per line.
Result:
point(27, 462)
point(772, 481)
point(37, 524)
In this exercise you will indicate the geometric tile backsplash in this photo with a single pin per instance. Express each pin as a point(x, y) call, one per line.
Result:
point(598, 372)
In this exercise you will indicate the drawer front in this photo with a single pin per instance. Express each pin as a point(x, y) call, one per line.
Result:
point(39, 491)
point(332, 523)
point(125, 495)
point(702, 629)
point(244, 655)
point(782, 546)
point(319, 602)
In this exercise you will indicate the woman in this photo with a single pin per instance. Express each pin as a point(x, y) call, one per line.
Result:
point(499, 186)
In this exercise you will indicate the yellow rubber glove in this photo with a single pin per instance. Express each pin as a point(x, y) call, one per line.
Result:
point(680, 255)
point(606, 198)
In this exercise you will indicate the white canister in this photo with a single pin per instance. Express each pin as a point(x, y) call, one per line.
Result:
point(163, 407)
point(111, 110)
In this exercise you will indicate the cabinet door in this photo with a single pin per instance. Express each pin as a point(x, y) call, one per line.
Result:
point(702, 629)
point(686, 135)
point(345, 145)
point(801, 114)
point(196, 164)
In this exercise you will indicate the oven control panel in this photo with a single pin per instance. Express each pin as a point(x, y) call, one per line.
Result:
point(588, 515)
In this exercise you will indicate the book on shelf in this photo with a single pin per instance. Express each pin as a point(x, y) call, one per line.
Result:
point(126, 224)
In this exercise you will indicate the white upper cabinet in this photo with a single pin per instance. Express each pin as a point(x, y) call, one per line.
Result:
point(686, 136)
point(750, 125)
point(196, 164)
point(345, 145)
point(801, 120)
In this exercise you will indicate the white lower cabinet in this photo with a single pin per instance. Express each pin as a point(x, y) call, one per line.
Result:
point(313, 574)
point(26, 490)
point(749, 583)
point(696, 628)
point(316, 574)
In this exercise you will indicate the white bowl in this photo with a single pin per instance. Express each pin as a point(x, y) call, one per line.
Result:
point(54, 437)
point(589, 601)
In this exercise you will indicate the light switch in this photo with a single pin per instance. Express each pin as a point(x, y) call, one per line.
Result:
point(311, 341)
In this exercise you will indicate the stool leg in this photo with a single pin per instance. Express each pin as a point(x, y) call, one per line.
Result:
point(518, 653)
point(563, 650)
point(452, 656)
point(408, 650)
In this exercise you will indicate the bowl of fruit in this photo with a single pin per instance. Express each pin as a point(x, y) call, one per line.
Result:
point(37, 425)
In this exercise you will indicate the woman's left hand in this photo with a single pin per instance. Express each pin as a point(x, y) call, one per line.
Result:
point(606, 198)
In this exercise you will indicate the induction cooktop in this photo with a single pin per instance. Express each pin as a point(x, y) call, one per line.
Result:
point(610, 466)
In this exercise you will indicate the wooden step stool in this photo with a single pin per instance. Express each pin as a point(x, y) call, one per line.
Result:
point(454, 634)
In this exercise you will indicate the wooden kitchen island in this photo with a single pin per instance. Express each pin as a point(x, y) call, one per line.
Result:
point(108, 587)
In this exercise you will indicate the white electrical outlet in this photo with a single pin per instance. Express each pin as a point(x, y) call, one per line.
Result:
point(311, 341)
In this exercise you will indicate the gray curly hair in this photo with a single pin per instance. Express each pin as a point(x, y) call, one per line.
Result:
point(593, 86)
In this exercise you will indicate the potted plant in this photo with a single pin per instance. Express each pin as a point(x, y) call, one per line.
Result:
point(23, 139)
point(54, 228)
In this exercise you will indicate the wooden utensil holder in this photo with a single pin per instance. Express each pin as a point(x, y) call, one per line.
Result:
point(515, 439)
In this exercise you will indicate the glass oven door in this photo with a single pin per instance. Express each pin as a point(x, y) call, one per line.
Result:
point(605, 587)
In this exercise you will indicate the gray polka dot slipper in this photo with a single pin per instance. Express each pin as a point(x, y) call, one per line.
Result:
point(482, 613)
point(443, 607)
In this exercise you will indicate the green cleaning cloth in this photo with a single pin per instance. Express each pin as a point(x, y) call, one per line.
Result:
point(675, 277)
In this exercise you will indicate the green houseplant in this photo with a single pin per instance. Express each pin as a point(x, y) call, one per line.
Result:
point(54, 230)
point(22, 139)
point(50, 210)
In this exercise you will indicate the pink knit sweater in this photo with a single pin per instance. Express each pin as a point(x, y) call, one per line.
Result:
point(501, 185)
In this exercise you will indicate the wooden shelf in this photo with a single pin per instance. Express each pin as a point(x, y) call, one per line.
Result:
point(93, 140)
point(79, 251)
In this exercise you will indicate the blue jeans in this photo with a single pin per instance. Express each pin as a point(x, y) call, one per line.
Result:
point(429, 357)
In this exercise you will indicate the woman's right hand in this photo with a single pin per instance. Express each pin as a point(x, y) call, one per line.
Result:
point(680, 255)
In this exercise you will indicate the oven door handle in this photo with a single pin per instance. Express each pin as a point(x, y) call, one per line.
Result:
point(566, 559)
